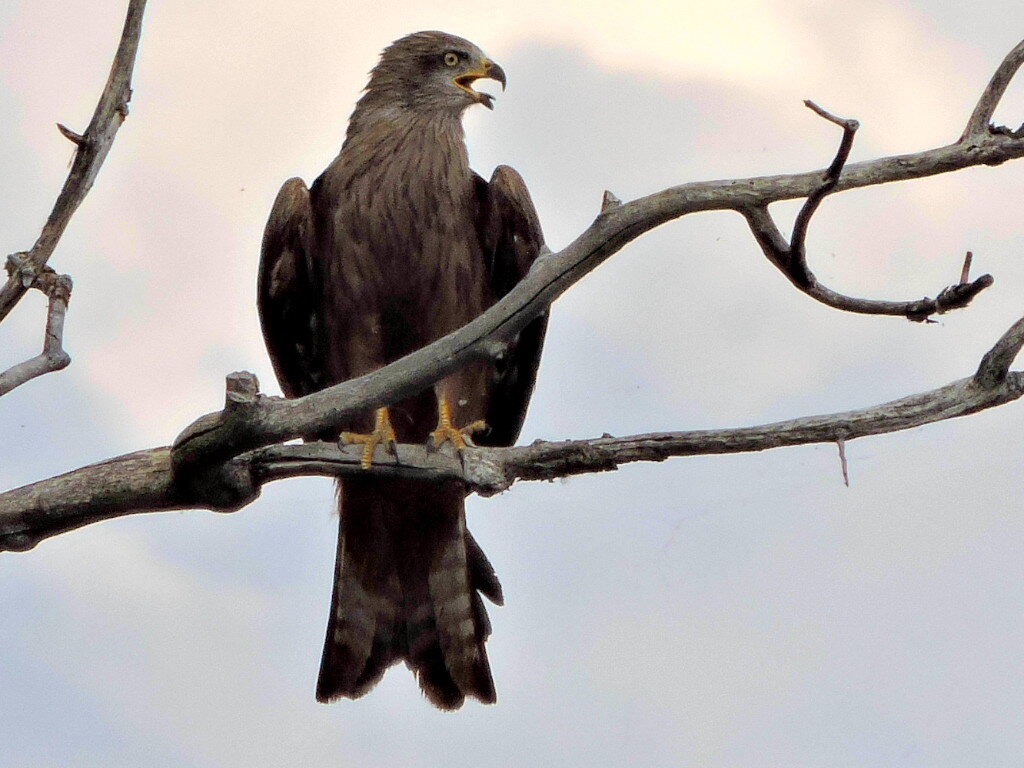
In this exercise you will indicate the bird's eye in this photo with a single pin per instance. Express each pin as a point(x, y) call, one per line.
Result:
point(451, 58)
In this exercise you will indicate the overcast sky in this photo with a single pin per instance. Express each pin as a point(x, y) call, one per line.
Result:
point(719, 611)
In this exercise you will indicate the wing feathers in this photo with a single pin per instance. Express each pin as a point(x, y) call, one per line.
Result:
point(512, 234)
point(288, 298)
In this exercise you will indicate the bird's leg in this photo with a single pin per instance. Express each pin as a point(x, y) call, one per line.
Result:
point(383, 432)
point(447, 432)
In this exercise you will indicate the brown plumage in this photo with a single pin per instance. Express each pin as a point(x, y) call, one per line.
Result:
point(396, 244)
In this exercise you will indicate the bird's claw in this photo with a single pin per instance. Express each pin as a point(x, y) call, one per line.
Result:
point(383, 433)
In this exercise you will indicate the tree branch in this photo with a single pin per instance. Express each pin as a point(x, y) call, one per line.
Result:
point(53, 357)
point(146, 481)
point(791, 258)
point(213, 439)
point(217, 462)
point(978, 125)
point(92, 150)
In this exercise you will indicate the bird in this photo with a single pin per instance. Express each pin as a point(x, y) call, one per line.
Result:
point(396, 244)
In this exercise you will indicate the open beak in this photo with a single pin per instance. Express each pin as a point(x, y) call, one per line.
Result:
point(488, 70)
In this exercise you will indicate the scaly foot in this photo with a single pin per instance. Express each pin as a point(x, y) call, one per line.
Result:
point(446, 432)
point(383, 433)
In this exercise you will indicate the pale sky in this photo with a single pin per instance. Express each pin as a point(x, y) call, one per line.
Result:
point(716, 611)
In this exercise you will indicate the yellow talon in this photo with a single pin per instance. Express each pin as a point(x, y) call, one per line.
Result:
point(447, 432)
point(383, 433)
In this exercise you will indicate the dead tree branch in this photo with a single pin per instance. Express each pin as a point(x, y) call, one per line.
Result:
point(92, 149)
point(222, 459)
point(791, 258)
point(214, 439)
point(53, 357)
point(146, 481)
point(979, 123)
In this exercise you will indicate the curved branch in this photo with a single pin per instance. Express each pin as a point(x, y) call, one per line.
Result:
point(981, 117)
point(93, 146)
point(146, 481)
point(814, 199)
point(791, 258)
point(214, 438)
point(53, 357)
point(206, 466)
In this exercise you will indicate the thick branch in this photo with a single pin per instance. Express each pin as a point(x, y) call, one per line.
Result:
point(146, 481)
point(214, 438)
point(93, 146)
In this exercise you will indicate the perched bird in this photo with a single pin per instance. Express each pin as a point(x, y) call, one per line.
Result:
point(398, 243)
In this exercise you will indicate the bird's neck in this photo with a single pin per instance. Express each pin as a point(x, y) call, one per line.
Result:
point(432, 144)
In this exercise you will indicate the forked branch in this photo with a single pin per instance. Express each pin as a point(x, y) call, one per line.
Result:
point(92, 149)
point(146, 482)
point(53, 357)
point(223, 458)
point(791, 257)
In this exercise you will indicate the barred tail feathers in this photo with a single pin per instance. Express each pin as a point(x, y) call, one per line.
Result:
point(406, 586)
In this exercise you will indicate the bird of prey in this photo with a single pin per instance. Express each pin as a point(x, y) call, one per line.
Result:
point(396, 244)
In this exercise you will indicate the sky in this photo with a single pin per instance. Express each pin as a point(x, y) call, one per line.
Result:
point(712, 611)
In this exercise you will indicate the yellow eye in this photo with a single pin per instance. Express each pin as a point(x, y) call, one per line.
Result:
point(451, 58)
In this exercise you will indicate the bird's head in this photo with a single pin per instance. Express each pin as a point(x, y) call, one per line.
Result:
point(433, 71)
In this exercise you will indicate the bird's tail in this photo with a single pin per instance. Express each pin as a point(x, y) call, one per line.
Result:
point(407, 587)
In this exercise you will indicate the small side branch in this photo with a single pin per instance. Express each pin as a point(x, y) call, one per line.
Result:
point(832, 175)
point(843, 463)
point(981, 118)
point(791, 257)
point(995, 366)
point(53, 357)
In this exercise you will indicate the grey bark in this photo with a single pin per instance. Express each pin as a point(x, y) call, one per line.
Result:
point(222, 459)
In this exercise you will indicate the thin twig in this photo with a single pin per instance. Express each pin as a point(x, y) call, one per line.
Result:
point(75, 138)
point(798, 256)
point(841, 444)
point(965, 272)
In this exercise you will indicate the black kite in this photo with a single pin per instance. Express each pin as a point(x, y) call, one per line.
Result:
point(398, 243)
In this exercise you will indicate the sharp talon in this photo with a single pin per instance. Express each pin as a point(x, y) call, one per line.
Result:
point(446, 432)
point(382, 433)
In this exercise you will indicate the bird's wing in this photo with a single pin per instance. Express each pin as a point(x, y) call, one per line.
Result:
point(512, 238)
point(289, 301)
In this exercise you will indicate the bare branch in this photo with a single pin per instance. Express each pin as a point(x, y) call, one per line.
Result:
point(213, 439)
point(93, 146)
point(53, 357)
point(981, 117)
point(843, 464)
point(147, 481)
point(791, 258)
point(75, 138)
point(995, 366)
point(803, 219)
point(215, 463)
point(965, 271)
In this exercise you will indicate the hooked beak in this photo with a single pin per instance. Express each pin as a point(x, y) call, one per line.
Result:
point(488, 70)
